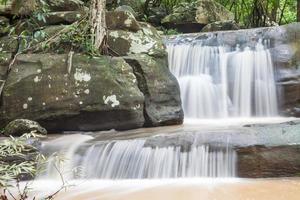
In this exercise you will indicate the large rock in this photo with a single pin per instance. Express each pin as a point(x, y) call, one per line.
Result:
point(266, 162)
point(91, 94)
point(183, 18)
point(209, 11)
point(145, 41)
point(19, 127)
point(193, 16)
point(122, 20)
point(62, 17)
point(160, 88)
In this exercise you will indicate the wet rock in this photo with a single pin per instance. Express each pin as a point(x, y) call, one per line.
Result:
point(91, 94)
point(19, 127)
point(221, 26)
point(267, 162)
point(122, 20)
point(160, 88)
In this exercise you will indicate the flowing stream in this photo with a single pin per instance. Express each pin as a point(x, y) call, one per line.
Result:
point(216, 82)
point(133, 159)
point(221, 82)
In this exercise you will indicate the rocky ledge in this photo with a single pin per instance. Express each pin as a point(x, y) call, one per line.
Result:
point(72, 91)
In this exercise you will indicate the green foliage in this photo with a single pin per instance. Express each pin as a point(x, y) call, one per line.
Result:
point(249, 13)
point(256, 13)
point(170, 4)
point(14, 161)
point(3, 2)
point(78, 38)
point(171, 32)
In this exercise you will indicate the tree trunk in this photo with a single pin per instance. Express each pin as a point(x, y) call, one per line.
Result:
point(98, 23)
point(298, 11)
point(274, 11)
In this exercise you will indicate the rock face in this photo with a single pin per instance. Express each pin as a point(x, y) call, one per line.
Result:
point(122, 20)
point(192, 17)
point(160, 88)
point(76, 92)
point(19, 127)
point(266, 162)
point(145, 52)
point(92, 95)
point(144, 41)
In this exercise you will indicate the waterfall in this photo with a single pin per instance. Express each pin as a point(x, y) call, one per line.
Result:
point(134, 159)
point(221, 82)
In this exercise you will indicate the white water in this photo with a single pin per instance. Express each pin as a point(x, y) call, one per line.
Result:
point(217, 82)
point(133, 159)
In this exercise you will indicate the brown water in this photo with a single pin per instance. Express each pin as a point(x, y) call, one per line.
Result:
point(175, 189)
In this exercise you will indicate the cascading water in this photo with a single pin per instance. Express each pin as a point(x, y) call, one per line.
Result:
point(219, 82)
point(134, 159)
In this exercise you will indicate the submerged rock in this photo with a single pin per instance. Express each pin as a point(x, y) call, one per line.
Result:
point(19, 127)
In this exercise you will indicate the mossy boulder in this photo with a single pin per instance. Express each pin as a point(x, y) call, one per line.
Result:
point(19, 127)
point(209, 11)
point(192, 17)
point(145, 41)
point(122, 20)
point(182, 13)
point(90, 94)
